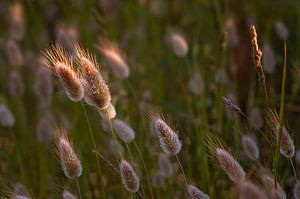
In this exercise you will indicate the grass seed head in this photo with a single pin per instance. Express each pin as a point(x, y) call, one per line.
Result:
point(281, 30)
point(109, 112)
point(114, 59)
point(165, 165)
point(123, 130)
point(158, 179)
point(7, 119)
point(168, 139)
point(44, 130)
point(178, 44)
point(195, 193)
point(248, 190)
point(230, 166)
point(70, 163)
point(68, 195)
point(16, 85)
point(231, 105)
point(269, 60)
point(255, 118)
point(196, 84)
point(250, 147)
point(96, 91)
point(17, 22)
point(130, 179)
point(61, 65)
point(14, 53)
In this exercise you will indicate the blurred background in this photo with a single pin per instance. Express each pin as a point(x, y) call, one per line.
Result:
point(187, 87)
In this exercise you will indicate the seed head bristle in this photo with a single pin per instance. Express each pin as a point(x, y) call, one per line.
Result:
point(168, 139)
point(61, 65)
point(250, 147)
point(96, 91)
point(195, 193)
point(114, 58)
point(230, 166)
point(130, 179)
point(123, 130)
point(70, 163)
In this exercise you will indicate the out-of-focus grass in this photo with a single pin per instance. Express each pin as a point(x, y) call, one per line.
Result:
point(140, 30)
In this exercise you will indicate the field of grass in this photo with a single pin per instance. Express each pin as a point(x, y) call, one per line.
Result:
point(153, 99)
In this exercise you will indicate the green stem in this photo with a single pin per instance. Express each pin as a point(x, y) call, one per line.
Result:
point(95, 148)
point(78, 187)
point(182, 171)
point(281, 118)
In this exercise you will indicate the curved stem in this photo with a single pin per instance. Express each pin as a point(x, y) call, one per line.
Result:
point(78, 187)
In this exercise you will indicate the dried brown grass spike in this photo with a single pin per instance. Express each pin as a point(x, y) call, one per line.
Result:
point(96, 91)
point(61, 65)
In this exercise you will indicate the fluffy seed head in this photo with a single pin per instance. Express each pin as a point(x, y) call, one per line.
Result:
point(14, 53)
point(287, 147)
point(130, 179)
point(165, 165)
point(96, 91)
point(158, 179)
point(105, 123)
point(296, 190)
point(168, 139)
point(248, 190)
point(250, 147)
point(179, 44)
point(268, 59)
point(109, 112)
point(255, 118)
point(114, 59)
point(68, 195)
point(6, 117)
point(43, 85)
point(124, 131)
point(17, 24)
point(70, 163)
point(16, 84)
point(232, 34)
point(116, 148)
point(61, 65)
point(196, 84)
point(20, 192)
point(195, 193)
point(67, 37)
point(267, 181)
point(230, 166)
point(44, 131)
point(281, 30)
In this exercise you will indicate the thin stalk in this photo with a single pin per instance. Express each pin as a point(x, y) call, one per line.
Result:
point(182, 171)
point(95, 148)
point(294, 170)
point(78, 187)
point(144, 165)
point(281, 118)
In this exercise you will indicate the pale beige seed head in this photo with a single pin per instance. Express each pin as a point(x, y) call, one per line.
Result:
point(114, 59)
point(68, 195)
point(123, 130)
point(196, 84)
point(168, 139)
point(7, 119)
point(59, 62)
point(14, 53)
point(70, 163)
point(130, 179)
point(165, 165)
point(109, 112)
point(230, 166)
point(96, 91)
point(16, 85)
point(287, 147)
point(195, 193)
point(17, 21)
point(250, 147)
point(179, 44)
point(255, 118)
point(248, 190)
